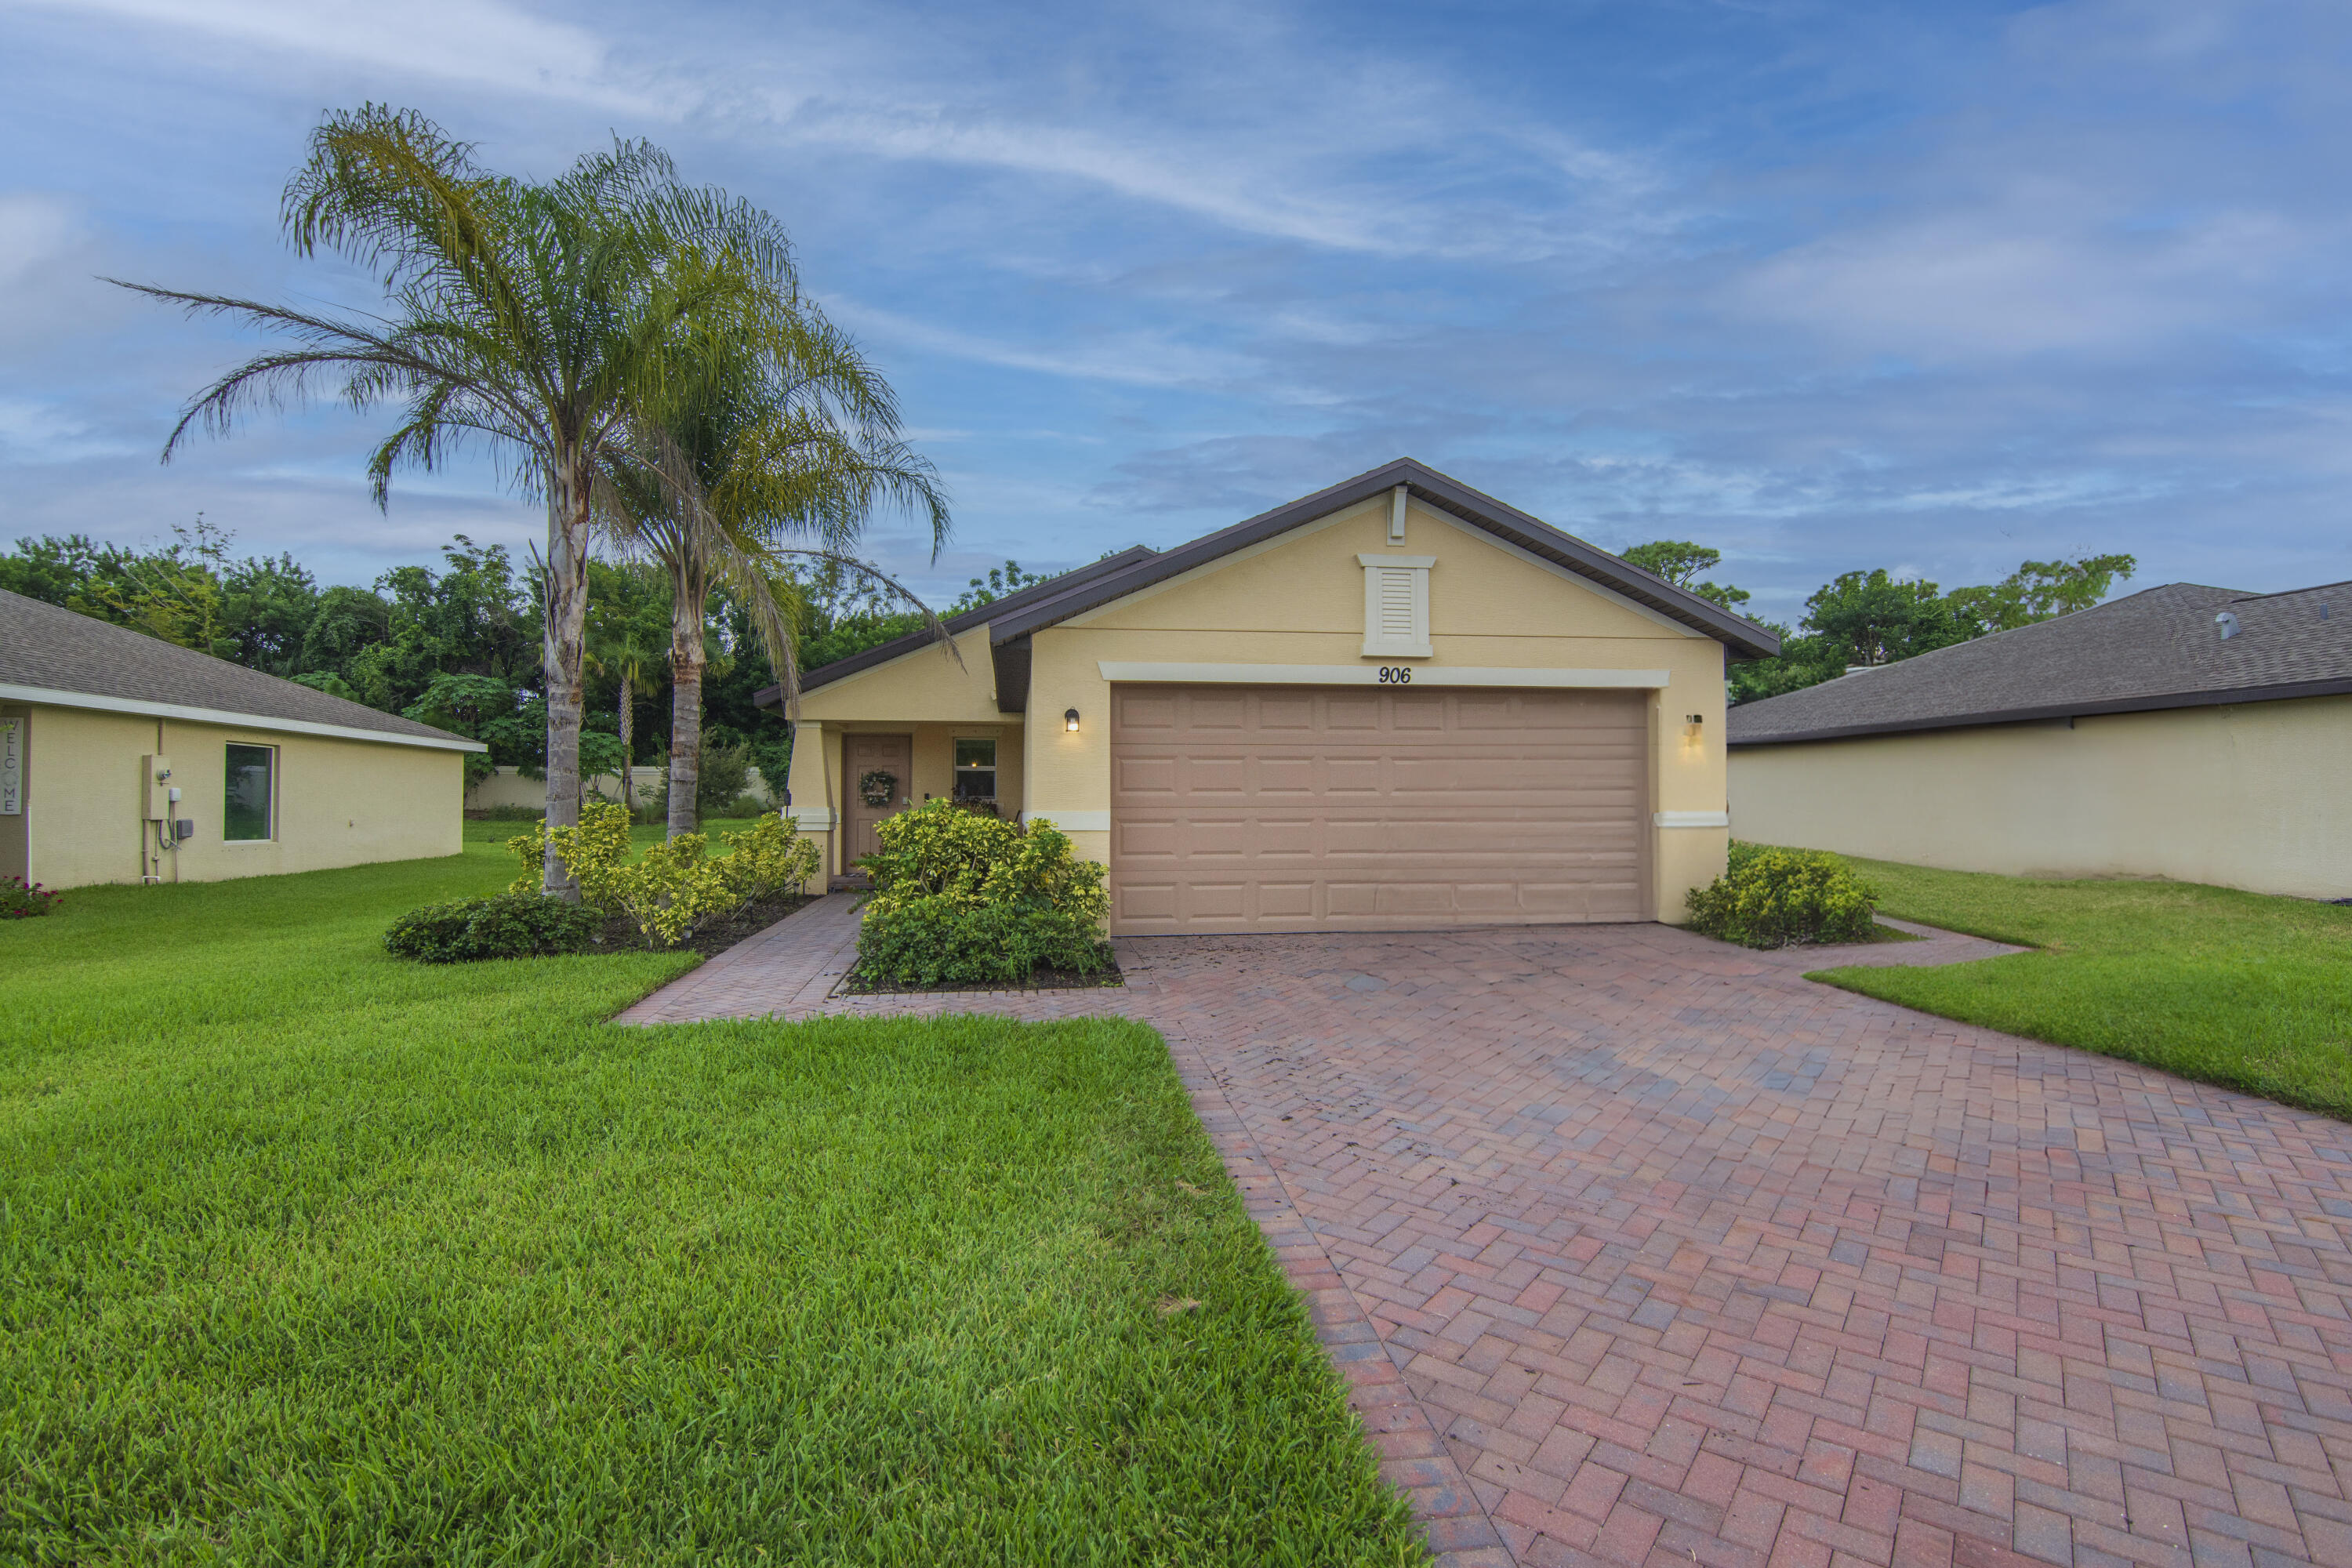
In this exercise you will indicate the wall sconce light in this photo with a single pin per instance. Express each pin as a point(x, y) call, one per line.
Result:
point(1070, 720)
point(1692, 723)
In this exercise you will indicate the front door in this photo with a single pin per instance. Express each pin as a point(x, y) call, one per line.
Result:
point(869, 760)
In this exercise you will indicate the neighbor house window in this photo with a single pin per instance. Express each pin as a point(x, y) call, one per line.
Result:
point(975, 769)
point(252, 795)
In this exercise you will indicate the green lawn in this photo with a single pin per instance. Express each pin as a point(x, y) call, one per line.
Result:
point(2239, 989)
point(306, 1255)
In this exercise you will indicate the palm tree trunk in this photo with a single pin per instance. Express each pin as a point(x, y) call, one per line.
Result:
point(685, 730)
point(563, 654)
point(628, 756)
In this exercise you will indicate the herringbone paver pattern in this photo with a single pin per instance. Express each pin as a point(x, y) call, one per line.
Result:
point(1643, 1250)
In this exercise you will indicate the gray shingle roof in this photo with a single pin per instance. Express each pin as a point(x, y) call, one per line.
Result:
point(45, 649)
point(2157, 648)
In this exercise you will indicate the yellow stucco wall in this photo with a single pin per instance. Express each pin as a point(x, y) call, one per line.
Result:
point(339, 802)
point(2247, 796)
point(927, 684)
point(1299, 599)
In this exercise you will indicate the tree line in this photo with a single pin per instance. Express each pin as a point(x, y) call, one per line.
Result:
point(1872, 617)
point(457, 646)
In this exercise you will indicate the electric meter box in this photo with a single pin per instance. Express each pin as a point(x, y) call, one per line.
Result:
point(159, 790)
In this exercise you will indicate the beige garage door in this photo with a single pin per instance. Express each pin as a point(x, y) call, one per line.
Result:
point(1357, 808)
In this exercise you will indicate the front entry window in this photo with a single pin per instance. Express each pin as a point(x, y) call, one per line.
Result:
point(252, 793)
point(975, 768)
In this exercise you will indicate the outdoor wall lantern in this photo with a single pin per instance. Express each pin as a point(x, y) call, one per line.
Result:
point(1070, 720)
point(1691, 727)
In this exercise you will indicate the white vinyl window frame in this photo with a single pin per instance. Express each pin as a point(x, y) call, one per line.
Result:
point(271, 784)
point(1396, 606)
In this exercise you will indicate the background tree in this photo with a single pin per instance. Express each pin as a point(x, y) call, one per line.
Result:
point(1678, 561)
point(1001, 581)
point(536, 316)
point(628, 643)
point(2039, 590)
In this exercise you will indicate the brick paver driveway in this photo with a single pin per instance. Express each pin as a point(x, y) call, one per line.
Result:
point(1643, 1250)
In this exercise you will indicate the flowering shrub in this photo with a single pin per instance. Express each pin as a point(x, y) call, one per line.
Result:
point(960, 900)
point(1784, 897)
point(20, 900)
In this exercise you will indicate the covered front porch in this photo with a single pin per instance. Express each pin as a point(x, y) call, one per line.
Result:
point(838, 791)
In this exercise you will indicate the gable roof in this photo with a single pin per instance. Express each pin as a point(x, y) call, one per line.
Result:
point(1011, 620)
point(2154, 649)
point(63, 658)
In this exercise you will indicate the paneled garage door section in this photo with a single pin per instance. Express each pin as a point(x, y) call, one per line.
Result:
point(1310, 808)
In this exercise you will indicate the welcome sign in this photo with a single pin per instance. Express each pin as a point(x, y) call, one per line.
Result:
point(12, 767)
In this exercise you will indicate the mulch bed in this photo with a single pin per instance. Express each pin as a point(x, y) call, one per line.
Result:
point(1039, 980)
point(713, 936)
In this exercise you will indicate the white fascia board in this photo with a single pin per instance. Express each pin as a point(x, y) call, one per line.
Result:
point(1693, 819)
point(1370, 675)
point(43, 695)
point(1071, 821)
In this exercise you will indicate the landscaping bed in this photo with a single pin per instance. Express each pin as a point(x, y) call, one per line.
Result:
point(715, 934)
point(309, 1253)
point(1038, 980)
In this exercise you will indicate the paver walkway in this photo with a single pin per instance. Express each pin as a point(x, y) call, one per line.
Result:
point(1643, 1250)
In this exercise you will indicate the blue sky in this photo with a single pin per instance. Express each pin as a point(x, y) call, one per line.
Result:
point(1936, 287)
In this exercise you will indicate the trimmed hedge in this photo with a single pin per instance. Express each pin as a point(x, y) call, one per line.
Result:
point(1784, 897)
point(936, 941)
point(511, 925)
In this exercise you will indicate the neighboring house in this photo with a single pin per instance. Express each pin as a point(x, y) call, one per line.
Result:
point(2196, 733)
point(264, 775)
point(1397, 704)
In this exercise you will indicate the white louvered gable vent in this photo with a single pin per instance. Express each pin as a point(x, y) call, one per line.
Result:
point(1396, 606)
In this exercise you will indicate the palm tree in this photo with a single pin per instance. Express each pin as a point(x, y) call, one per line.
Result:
point(536, 316)
point(759, 460)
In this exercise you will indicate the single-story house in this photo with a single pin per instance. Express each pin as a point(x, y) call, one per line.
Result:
point(2196, 733)
point(126, 758)
point(1395, 704)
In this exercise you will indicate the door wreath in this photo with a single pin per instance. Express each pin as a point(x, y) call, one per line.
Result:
point(876, 787)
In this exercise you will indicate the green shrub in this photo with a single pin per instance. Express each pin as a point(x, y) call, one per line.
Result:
point(934, 941)
point(769, 858)
point(510, 925)
point(723, 775)
point(1784, 897)
point(963, 899)
point(20, 900)
point(674, 887)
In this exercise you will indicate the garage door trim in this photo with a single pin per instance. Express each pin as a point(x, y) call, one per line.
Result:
point(1126, 672)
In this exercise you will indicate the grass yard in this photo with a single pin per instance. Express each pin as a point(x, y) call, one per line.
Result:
point(2239, 989)
point(308, 1255)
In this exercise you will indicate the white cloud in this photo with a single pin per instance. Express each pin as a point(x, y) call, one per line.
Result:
point(1135, 358)
point(479, 43)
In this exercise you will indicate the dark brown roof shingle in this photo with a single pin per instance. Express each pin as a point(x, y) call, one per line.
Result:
point(45, 649)
point(2157, 648)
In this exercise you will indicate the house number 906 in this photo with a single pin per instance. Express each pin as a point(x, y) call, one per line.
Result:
point(1395, 675)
